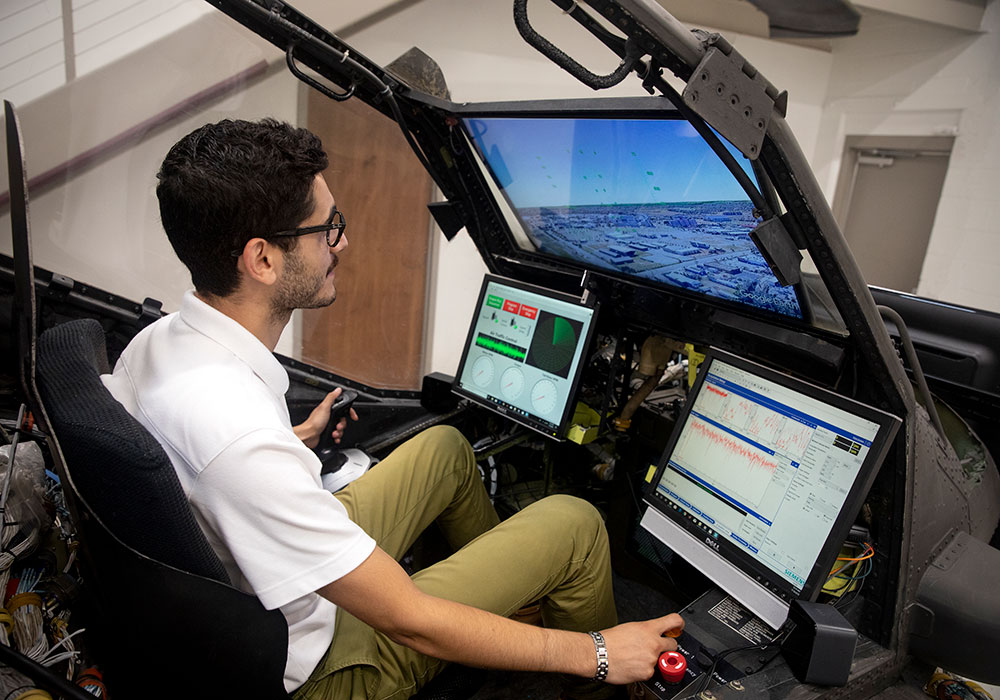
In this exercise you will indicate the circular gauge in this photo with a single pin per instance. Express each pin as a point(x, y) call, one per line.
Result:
point(482, 371)
point(511, 383)
point(543, 397)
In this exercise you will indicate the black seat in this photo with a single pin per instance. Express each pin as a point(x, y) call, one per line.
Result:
point(165, 608)
point(167, 614)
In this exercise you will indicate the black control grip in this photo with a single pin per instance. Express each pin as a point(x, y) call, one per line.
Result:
point(340, 408)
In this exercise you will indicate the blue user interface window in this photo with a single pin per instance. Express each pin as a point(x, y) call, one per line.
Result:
point(766, 468)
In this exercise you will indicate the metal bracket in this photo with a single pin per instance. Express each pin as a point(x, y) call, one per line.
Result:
point(60, 286)
point(448, 216)
point(779, 250)
point(732, 96)
point(151, 310)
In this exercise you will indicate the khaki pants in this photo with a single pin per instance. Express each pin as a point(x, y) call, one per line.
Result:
point(555, 549)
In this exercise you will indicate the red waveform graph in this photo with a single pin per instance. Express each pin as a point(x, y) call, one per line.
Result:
point(738, 412)
point(755, 459)
point(794, 438)
point(712, 401)
point(765, 424)
point(729, 463)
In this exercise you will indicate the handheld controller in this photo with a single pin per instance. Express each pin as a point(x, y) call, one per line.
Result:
point(327, 448)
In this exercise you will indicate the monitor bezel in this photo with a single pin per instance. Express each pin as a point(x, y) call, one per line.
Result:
point(586, 300)
point(888, 424)
point(644, 108)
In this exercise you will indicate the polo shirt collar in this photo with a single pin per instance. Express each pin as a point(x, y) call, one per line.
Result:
point(228, 333)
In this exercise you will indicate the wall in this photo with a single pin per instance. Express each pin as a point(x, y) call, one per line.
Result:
point(902, 77)
point(99, 222)
point(963, 258)
point(42, 45)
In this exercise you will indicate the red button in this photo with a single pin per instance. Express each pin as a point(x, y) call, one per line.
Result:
point(672, 666)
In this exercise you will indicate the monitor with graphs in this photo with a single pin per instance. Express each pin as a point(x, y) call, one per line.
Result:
point(524, 353)
point(762, 479)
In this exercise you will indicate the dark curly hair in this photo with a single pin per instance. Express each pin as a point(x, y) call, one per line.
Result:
point(226, 183)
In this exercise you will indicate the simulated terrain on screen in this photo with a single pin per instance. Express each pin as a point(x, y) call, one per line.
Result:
point(639, 197)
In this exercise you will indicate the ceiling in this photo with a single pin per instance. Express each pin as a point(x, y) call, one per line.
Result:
point(817, 21)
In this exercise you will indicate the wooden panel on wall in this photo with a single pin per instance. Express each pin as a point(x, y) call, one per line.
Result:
point(373, 333)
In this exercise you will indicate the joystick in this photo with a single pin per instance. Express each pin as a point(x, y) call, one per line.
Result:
point(327, 449)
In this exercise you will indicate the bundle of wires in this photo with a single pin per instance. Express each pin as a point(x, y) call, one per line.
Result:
point(10, 552)
point(29, 607)
point(63, 638)
point(15, 685)
point(25, 607)
point(849, 575)
point(14, 522)
point(23, 620)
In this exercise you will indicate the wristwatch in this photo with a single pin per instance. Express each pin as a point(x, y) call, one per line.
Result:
point(602, 656)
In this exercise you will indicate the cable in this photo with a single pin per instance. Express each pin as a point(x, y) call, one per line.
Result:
point(868, 554)
point(869, 551)
point(71, 654)
point(848, 580)
point(782, 634)
point(846, 601)
point(26, 608)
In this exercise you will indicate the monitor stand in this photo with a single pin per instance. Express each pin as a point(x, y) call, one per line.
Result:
point(769, 607)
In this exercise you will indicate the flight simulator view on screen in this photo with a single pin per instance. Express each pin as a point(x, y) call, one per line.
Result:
point(641, 197)
point(764, 472)
point(523, 354)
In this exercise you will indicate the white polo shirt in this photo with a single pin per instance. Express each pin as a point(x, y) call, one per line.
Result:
point(214, 397)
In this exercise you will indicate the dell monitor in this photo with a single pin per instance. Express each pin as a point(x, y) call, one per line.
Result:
point(524, 353)
point(762, 479)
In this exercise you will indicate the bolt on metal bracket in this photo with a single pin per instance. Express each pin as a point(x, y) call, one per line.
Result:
point(732, 96)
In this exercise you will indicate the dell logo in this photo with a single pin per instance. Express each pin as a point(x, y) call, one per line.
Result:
point(712, 543)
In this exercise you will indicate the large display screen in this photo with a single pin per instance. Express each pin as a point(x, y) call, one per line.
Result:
point(524, 353)
point(768, 472)
point(644, 198)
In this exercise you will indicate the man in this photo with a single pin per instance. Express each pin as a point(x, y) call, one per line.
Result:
point(247, 210)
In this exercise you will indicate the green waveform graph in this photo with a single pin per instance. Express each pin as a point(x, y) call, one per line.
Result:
point(500, 347)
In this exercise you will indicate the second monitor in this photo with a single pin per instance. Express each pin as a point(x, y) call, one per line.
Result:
point(523, 353)
point(762, 479)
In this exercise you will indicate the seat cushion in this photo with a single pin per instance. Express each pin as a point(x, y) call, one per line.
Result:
point(119, 470)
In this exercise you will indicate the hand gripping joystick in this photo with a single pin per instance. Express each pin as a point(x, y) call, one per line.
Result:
point(327, 448)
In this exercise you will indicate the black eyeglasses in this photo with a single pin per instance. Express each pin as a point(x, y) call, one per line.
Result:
point(337, 223)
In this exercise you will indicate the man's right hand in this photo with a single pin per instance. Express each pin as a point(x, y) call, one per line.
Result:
point(635, 647)
point(380, 593)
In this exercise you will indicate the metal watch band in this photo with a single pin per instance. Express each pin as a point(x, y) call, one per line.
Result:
point(602, 656)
